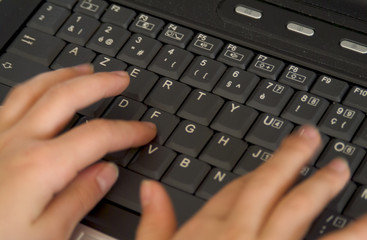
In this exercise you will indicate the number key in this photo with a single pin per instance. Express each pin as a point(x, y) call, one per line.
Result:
point(341, 121)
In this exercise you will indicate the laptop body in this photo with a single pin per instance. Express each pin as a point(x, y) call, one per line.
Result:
point(328, 37)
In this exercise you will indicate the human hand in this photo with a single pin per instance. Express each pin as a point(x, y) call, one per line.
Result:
point(47, 183)
point(262, 205)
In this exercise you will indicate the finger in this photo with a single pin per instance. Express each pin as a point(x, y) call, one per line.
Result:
point(294, 214)
point(49, 115)
point(158, 221)
point(354, 231)
point(270, 181)
point(90, 142)
point(73, 203)
point(23, 96)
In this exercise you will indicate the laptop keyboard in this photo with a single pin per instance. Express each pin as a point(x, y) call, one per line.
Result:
point(221, 109)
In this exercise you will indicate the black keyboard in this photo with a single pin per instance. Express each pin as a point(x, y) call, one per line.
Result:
point(221, 109)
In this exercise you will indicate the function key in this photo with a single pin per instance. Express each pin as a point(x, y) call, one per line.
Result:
point(176, 35)
point(147, 25)
point(119, 16)
point(330, 88)
point(298, 78)
point(78, 29)
point(357, 98)
point(64, 3)
point(235, 56)
point(266, 67)
point(205, 45)
point(49, 18)
point(93, 8)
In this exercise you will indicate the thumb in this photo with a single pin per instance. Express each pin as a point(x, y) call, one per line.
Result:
point(158, 221)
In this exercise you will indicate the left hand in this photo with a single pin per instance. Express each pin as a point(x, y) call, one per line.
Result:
point(48, 183)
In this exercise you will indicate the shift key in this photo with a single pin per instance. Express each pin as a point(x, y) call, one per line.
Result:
point(15, 69)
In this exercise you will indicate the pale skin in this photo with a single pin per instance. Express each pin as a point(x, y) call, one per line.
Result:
point(50, 181)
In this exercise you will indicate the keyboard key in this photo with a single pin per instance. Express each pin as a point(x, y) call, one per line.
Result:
point(139, 50)
point(176, 35)
point(15, 69)
point(186, 173)
point(69, 4)
point(361, 136)
point(108, 39)
point(236, 85)
point(305, 108)
point(93, 8)
point(341, 121)
point(235, 56)
point(214, 182)
point(165, 123)
point(266, 67)
point(330, 88)
point(78, 29)
point(360, 175)
point(124, 108)
point(147, 25)
point(357, 206)
point(168, 95)
point(252, 159)
point(205, 45)
point(126, 192)
point(223, 151)
point(96, 109)
point(298, 77)
point(270, 97)
point(357, 98)
point(171, 62)
point(105, 63)
point(203, 73)
point(200, 107)
point(123, 157)
point(49, 18)
point(36, 46)
point(153, 161)
point(119, 16)
point(234, 119)
point(73, 55)
point(189, 138)
point(338, 148)
point(4, 90)
point(329, 221)
point(269, 131)
point(141, 81)
point(106, 215)
point(340, 201)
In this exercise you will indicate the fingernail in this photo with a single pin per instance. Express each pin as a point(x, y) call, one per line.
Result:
point(339, 165)
point(84, 68)
point(150, 125)
point(121, 73)
point(107, 177)
point(308, 132)
point(145, 192)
